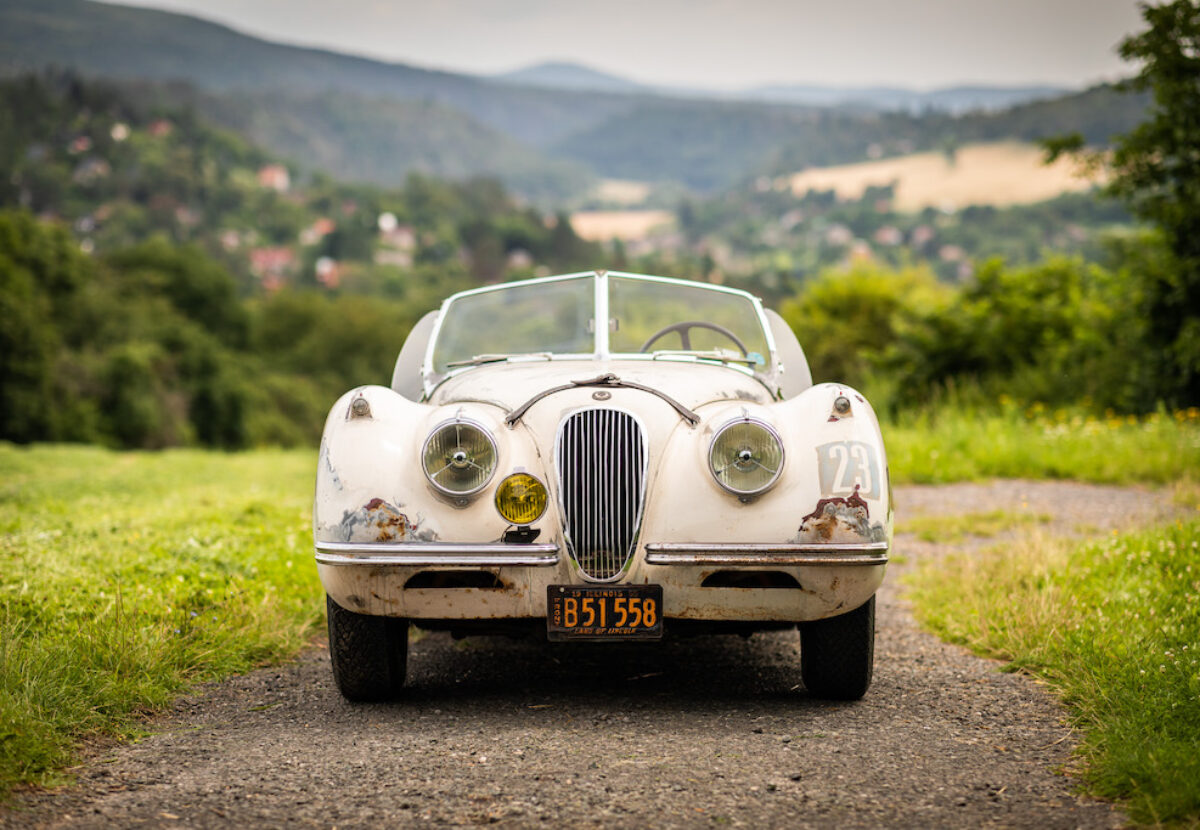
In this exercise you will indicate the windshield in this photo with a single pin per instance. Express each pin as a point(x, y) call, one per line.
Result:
point(664, 316)
point(520, 319)
point(554, 318)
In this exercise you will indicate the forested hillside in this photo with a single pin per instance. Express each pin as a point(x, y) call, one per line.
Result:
point(125, 42)
point(711, 145)
point(165, 282)
point(383, 140)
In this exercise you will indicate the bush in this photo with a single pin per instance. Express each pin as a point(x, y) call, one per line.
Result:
point(854, 325)
point(1061, 332)
point(197, 287)
point(136, 407)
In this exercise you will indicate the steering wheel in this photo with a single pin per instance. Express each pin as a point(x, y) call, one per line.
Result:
point(685, 327)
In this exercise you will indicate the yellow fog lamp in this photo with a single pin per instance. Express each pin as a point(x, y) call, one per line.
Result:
point(521, 499)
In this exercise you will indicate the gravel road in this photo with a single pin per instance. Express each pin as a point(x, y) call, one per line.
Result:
point(710, 731)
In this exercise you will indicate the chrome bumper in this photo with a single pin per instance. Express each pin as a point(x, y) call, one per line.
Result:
point(432, 554)
point(759, 555)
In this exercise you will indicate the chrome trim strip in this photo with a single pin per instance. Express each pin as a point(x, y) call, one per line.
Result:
point(428, 554)
point(690, 553)
point(609, 380)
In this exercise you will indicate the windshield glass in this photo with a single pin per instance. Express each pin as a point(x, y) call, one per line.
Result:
point(522, 319)
point(661, 316)
point(555, 318)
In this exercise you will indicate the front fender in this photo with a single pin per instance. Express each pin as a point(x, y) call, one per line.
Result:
point(371, 488)
point(834, 488)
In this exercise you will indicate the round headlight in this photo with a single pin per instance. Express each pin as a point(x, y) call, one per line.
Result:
point(521, 499)
point(459, 457)
point(746, 457)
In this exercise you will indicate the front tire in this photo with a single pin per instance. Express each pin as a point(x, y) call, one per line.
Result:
point(369, 654)
point(837, 655)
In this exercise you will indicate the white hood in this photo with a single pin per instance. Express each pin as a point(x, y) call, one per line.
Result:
point(509, 385)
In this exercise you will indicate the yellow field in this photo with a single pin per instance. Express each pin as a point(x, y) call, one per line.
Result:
point(1003, 173)
point(603, 225)
point(623, 192)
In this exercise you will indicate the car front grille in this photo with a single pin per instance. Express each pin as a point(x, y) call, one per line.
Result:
point(601, 459)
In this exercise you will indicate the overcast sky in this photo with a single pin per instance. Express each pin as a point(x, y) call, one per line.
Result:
point(720, 44)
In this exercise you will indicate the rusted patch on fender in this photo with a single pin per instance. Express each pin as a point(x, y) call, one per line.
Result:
point(854, 500)
point(377, 521)
point(388, 523)
point(841, 519)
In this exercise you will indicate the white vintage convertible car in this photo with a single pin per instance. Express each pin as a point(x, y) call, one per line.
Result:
point(602, 456)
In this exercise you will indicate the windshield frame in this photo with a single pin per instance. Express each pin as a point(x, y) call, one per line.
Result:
point(766, 372)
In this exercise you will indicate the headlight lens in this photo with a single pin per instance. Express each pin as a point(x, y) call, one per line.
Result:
point(459, 457)
point(521, 499)
point(746, 457)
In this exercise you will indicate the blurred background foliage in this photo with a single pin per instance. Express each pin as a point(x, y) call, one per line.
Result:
point(1061, 332)
point(154, 345)
point(165, 282)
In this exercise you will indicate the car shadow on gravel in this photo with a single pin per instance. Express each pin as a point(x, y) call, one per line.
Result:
point(712, 669)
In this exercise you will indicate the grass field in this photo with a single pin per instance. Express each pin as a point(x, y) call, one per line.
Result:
point(1003, 173)
point(958, 443)
point(1114, 627)
point(125, 577)
point(621, 191)
point(604, 225)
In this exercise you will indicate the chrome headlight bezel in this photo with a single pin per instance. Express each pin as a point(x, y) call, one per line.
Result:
point(460, 423)
point(773, 433)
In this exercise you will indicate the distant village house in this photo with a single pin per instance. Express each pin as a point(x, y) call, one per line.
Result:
point(274, 177)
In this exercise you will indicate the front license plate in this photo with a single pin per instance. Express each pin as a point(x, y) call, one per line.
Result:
point(604, 612)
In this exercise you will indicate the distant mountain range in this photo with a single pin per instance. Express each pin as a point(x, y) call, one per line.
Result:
point(952, 99)
point(574, 76)
point(133, 43)
point(546, 130)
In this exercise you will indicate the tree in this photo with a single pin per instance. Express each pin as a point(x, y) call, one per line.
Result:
point(198, 287)
point(854, 324)
point(1156, 170)
point(41, 274)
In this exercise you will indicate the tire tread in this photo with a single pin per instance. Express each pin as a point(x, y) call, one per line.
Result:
point(369, 654)
point(837, 654)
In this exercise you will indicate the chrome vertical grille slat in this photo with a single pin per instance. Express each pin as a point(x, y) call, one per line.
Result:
point(601, 458)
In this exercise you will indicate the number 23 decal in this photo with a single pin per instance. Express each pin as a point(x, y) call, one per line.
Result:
point(844, 464)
